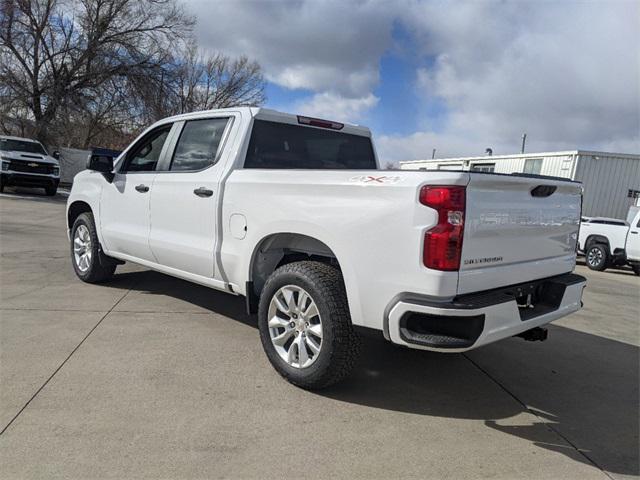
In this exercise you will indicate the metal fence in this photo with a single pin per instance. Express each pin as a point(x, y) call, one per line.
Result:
point(72, 161)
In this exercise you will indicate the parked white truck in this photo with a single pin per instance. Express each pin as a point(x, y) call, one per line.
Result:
point(294, 214)
point(26, 163)
point(608, 242)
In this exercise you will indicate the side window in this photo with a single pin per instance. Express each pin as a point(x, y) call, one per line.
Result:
point(533, 166)
point(483, 167)
point(198, 144)
point(144, 156)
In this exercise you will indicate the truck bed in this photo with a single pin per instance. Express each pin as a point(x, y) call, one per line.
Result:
point(374, 224)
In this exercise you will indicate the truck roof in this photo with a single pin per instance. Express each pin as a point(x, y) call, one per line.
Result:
point(273, 116)
point(606, 220)
point(22, 139)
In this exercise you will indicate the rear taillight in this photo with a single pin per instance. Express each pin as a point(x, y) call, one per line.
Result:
point(443, 243)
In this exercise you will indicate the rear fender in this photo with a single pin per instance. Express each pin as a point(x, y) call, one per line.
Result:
point(599, 239)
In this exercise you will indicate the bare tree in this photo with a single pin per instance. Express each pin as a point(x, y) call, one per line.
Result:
point(104, 117)
point(56, 54)
point(196, 81)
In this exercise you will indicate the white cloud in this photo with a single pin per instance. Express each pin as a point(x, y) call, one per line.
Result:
point(335, 107)
point(567, 73)
point(332, 46)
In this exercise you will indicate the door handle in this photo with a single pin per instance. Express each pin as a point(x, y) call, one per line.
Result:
point(634, 233)
point(203, 192)
point(142, 188)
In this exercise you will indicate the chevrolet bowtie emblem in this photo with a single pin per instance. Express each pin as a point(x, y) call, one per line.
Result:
point(32, 164)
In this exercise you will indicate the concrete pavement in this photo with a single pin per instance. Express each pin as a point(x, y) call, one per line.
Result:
point(150, 376)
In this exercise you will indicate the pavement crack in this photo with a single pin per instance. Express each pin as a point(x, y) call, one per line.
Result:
point(75, 349)
point(535, 414)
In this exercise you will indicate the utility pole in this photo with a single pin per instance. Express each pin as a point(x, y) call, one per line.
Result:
point(433, 154)
point(524, 140)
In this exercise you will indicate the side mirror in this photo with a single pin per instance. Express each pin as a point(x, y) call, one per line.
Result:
point(56, 155)
point(102, 164)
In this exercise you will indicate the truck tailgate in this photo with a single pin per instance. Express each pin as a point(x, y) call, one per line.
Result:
point(517, 229)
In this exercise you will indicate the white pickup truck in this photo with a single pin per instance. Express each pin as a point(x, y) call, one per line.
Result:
point(608, 242)
point(294, 214)
point(26, 163)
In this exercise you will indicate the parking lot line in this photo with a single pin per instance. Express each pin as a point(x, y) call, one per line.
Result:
point(62, 364)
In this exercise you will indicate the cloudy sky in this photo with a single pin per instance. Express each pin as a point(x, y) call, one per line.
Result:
point(458, 77)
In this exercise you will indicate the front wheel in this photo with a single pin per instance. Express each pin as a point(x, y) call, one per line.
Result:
point(51, 191)
point(636, 268)
point(305, 326)
point(89, 263)
point(597, 257)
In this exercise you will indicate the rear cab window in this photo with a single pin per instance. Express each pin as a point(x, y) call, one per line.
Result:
point(276, 145)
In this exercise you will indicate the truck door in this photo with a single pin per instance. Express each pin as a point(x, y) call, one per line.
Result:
point(124, 205)
point(185, 196)
point(633, 239)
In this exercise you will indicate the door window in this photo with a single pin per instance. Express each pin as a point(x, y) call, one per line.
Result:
point(144, 156)
point(198, 146)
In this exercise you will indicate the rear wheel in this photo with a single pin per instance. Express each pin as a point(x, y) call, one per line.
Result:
point(597, 257)
point(305, 326)
point(89, 263)
point(636, 268)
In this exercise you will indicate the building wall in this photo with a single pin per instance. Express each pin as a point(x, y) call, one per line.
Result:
point(552, 165)
point(607, 180)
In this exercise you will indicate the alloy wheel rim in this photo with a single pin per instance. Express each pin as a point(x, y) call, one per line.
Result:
point(595, 257)
point(82, 252)
point(295, 326)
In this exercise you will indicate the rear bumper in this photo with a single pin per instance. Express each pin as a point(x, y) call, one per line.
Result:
point(29, 179)
point(470, 321)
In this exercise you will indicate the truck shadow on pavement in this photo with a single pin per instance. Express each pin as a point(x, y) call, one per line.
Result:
point(575, 394)
point(34, 194)
point(581, 386)
point(618, 270)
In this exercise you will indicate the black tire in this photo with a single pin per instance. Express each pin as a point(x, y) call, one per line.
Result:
point(636, 268)
point(1, 186)
point(51, 191)
point(597, 257)
point(101, 267)
point(340, 344)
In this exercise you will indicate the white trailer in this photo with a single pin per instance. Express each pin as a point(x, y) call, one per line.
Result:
point(611, 180)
